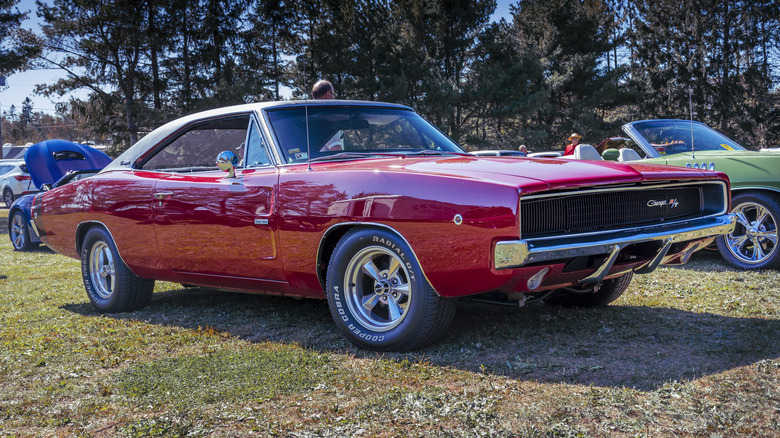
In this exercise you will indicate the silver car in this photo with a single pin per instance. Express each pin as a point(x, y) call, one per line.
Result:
point(15, 180)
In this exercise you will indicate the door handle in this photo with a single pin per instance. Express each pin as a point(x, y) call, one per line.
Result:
point(162, 195)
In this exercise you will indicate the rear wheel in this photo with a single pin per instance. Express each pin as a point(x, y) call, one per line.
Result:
point(110, 284)
point(609, 291)
point(753, 244)
point(8, 197)
point(19, 233)
point(378, 295)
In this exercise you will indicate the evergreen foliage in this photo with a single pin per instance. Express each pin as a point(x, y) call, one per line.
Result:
point(17, 46)
point(552, 67)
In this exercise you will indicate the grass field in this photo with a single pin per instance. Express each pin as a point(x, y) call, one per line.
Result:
point(691, 351)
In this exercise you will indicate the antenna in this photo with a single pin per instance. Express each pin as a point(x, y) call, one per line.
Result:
point(306, 110)
point(690, 111)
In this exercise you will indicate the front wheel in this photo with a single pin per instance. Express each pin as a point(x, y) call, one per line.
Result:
point(110, 284)
point(753, 244)
point(609, 291)
point(378, 295)
point(19, 233)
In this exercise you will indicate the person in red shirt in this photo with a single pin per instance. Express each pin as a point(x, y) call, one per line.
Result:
point(574, 140)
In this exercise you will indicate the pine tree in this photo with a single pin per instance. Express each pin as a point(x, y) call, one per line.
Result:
point(17, 46)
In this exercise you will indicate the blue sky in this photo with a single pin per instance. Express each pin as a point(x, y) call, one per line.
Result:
point(21, 85)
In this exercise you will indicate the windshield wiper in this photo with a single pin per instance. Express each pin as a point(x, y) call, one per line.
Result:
point(431, 152)
point(356, 155)
point(349, 156)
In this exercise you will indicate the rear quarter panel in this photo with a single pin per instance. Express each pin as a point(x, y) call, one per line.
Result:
point(121, 201)
point(58, 212)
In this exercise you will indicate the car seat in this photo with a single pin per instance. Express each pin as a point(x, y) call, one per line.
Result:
point(628, 154)
point(585, 152)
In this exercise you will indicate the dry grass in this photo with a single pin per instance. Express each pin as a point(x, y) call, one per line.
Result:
point(689, 351)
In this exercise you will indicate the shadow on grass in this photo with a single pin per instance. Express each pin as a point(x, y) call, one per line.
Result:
point(615, 346)
point(708, 259)
point(40, 249)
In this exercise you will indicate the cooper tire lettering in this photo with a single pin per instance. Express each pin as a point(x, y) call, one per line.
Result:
point(386, 304)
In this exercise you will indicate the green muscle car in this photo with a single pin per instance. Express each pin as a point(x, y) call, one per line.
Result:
point(755, 180)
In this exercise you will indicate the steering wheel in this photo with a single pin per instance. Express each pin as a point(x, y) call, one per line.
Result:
point(677, 148)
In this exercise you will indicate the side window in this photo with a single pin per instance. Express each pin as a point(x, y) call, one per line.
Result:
point(197, 148)
point(256, 153)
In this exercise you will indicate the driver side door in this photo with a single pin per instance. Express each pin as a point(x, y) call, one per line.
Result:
point(211, 228)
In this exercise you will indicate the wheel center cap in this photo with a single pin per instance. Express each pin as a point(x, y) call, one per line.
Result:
point(382, 287)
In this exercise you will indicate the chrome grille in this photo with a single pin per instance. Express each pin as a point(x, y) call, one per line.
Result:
point(593, 211)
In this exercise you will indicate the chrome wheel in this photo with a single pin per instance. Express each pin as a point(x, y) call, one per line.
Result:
point(18, 231)
point(755, 238)
point(101, 269)
point(378, 295)
point(377, 289)
point(111, 286)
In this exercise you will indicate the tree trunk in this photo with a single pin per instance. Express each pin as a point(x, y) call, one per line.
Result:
point(154, 49)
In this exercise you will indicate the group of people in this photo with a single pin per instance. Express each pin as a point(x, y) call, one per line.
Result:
point(323, 89)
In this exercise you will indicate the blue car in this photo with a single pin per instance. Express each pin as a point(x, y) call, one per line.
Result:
point(51, 163)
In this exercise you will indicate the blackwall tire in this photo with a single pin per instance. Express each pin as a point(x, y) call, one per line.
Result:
point(608, 292)
point(753, 244)
point(110, 285)
point(378, 295)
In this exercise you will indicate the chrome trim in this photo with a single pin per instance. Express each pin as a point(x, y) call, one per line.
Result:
point(34, 228)
point(517, 253)
point(601, 272)
point(537, 278)
point(368, 224)
point(741, 188)
point(269, 138)
point(626, 189)
point(617, 189)
point(653, 264)
point(702, 166)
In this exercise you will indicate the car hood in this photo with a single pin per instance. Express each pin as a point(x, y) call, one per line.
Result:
point(50, 160)
point(529, 174)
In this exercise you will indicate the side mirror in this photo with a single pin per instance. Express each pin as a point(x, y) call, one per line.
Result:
point(227, 162)
point(46, 187)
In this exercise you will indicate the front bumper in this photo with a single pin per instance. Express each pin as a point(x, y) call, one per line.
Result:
point(517, 253)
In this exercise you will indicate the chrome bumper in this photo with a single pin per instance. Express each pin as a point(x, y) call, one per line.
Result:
point(517, 253)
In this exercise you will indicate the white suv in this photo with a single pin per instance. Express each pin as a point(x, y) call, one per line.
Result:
point(14, 180)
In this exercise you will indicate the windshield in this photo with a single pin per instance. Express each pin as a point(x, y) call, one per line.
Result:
point(358, 130)
point(673, 137)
